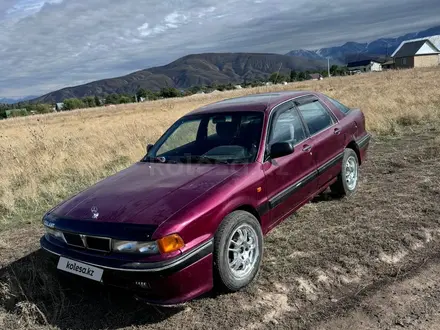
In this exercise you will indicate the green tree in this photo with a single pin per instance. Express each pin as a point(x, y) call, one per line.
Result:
point(97, 101)
point(125, 99)
point(73, 103)
point(293, 75)
point(301, 76)
point(141, 93)
point(333, 69)
point(221, 87)
point(195, 89)
point(167, 92)
point(152, 95)
point(257, 83)
point(274, 78)
point(277, 78)
point(112, 99)
point(342, 70)
point(43, 108)
point(89, 101)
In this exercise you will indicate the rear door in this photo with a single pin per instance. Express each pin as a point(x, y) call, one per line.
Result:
point(325, 133)
point(290, 179)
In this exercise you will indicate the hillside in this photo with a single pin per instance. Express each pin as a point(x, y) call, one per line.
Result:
point(353, 51)
point(196, 69)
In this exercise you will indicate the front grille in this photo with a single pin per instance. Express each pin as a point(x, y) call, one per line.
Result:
point(98, 243)
point(102, 244)
point(73, 239)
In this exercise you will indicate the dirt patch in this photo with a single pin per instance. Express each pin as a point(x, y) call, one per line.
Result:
point(318, 264)
point(410, 303)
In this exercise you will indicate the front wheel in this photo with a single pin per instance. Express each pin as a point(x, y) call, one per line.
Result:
point(238, 250)
point(347, 181)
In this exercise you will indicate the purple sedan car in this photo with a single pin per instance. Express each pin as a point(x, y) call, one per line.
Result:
point(192, 213)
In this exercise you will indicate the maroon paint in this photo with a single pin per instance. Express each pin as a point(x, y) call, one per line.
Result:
point(192, 199)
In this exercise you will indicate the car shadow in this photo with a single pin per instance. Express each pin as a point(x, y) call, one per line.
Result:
point(325, 196)
point(33, 292)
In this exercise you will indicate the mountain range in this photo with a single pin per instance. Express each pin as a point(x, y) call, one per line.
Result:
point(191, 70)
point(6, 100)
point(208, 68)
point(355, 51)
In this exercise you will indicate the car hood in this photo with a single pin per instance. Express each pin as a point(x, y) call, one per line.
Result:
point(144, 193)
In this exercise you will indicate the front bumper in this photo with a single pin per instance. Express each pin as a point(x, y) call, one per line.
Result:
point(168, 282)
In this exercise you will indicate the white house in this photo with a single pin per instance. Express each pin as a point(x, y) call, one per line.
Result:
point(364, 66)
point(59, 106)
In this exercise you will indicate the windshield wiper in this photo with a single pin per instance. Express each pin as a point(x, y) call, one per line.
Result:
point(219, 161)
point(157, 160)
point(201, 159)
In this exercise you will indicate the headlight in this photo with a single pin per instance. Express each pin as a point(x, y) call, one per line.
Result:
point(55, 234)
point(135, 247)
point(165, 244)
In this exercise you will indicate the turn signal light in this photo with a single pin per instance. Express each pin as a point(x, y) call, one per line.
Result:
point(170, 243)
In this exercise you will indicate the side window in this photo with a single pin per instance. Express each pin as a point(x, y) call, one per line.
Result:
point(287, 127)
point(344, 109)
point(316, 116)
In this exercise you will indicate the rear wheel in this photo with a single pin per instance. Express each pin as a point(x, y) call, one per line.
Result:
point(238, 250)
point(347, 182)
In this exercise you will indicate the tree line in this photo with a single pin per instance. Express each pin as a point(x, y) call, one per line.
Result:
point(27, 107)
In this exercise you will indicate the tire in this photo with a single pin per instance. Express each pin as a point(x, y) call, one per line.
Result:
point(227, 277)
point(350, 164)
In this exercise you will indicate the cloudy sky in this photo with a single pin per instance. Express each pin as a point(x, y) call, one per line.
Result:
point(49, 44)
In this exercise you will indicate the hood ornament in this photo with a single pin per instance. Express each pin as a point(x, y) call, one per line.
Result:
point(94, 211)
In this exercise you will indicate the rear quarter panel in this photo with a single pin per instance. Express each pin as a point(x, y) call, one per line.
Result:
point(352, 125)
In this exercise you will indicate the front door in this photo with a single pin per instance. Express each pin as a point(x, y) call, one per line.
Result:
point(290, 179)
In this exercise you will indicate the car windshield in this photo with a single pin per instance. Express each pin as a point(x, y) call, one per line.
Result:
point(215, 137)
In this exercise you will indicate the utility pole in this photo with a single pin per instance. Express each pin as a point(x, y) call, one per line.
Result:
point(328, 66)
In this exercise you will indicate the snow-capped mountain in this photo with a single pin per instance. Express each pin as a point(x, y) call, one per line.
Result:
point(353, 51)
point(6, 100)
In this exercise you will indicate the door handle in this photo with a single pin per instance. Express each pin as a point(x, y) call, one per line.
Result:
point(337, 131)
point(307, 148)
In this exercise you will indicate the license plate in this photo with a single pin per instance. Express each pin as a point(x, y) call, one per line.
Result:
point(81, 269)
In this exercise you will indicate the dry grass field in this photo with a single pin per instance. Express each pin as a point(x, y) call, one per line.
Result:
point(367, 262)
point(47, 157)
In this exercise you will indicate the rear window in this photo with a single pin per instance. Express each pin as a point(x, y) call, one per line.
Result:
point(344, 109)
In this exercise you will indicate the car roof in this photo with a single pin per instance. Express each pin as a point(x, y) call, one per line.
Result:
point(253, 102)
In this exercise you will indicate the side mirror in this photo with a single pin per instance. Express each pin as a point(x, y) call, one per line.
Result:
point(281, 149)
point(149, 146)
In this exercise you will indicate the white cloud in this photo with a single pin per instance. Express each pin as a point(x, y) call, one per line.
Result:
point(144, 30)
point(205, 11)
point(50, 44)
point(175, 19)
